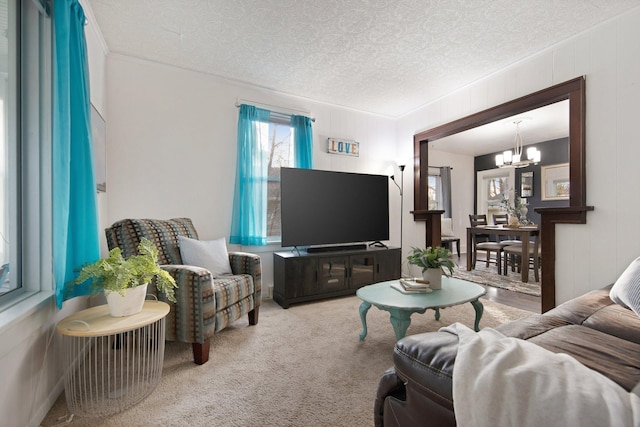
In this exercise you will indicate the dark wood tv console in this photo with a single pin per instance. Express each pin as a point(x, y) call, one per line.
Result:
point(302, 276)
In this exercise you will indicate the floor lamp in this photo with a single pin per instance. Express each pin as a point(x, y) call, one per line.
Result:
point(400, 187)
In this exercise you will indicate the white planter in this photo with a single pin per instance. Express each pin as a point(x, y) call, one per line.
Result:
point(130, 303)
point(434, 277)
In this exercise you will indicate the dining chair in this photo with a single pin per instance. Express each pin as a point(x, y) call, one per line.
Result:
point(513, 255)
point(500, 219)
point(487, 245)
point(447, 237)
point(503, 219)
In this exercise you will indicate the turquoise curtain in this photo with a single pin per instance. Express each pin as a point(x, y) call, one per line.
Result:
point(249, 221)
point(303, 142)
point(75, 219)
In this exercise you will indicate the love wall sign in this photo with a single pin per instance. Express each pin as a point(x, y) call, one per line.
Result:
point(344, 147)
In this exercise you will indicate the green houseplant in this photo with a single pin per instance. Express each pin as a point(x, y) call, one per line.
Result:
point(118, 276)
point(434, 261)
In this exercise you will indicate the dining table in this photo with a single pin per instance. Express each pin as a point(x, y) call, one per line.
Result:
point(523, 233)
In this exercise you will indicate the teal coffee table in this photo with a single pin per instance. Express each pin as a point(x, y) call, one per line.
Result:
point(402, 306)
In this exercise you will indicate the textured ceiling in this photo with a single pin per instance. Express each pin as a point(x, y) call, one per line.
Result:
point(381, 56)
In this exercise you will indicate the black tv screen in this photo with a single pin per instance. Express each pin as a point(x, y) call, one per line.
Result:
point(324, 207)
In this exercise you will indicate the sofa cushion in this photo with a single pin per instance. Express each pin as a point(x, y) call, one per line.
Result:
point(626, 290)
point(615, 358)
point(579, 309)
point(209, 254)
point(231, 289)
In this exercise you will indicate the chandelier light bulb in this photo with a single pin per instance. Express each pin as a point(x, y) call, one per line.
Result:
point(515, 157)
point(507, 156)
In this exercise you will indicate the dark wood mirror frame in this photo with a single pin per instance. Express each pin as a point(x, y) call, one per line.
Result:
point(575, 213)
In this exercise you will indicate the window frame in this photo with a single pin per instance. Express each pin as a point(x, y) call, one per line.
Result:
point(30, 135)
point(439, 198)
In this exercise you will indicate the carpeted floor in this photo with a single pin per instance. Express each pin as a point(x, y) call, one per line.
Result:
point(489, 276)
point(303, 366)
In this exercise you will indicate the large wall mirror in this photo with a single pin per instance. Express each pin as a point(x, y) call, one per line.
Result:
point(572, 93)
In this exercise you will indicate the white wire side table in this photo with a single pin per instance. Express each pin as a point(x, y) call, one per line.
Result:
point(112, 363)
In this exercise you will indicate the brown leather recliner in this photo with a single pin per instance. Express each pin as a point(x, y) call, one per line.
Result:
point(600, 334)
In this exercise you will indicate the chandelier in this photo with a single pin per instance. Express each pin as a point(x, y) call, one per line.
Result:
point(513, 159)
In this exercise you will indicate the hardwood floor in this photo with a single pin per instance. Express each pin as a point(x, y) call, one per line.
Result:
point(514, 299)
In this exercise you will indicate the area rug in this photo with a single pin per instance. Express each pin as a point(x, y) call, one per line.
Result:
point(489, 276)
point(304, 366)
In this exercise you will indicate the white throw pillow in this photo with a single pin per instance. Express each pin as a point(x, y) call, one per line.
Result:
point(626, 290)
point(209, 254)
point(446, 228)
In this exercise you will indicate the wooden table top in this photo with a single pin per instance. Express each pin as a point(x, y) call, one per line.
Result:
point(96, 321)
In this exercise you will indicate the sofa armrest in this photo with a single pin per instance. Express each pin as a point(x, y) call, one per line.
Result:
point(192, 317)
point(424, 364)
point(389, 385)
point(247, 263)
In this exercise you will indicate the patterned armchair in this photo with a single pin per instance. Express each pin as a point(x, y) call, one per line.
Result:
point(205, 305)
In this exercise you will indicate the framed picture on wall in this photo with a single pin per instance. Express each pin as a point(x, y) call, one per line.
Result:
point(526, 184)
point(555, 182)
point(99, 134)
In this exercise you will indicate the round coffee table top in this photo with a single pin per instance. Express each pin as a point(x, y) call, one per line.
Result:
point(454, 291)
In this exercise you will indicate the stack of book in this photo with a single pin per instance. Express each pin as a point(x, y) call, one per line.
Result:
point(412, 286)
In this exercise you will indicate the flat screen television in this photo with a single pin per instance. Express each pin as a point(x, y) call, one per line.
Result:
point(321, 207)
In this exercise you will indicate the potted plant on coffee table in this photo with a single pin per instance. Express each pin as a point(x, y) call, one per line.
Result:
point(125, 281)
point(434, 261)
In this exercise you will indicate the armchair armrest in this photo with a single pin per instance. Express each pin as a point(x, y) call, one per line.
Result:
point(192, 318)
point(247, 263)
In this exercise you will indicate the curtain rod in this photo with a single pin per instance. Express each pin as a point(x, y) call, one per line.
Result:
point(438, 167)
point(277, 109)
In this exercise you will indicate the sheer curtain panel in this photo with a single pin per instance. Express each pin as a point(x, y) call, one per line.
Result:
point(75, 219)
point(249, 220)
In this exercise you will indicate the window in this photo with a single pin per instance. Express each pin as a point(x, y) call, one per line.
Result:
point(492, 186)
point(435, 192)
point(25, 132)
point(267, 141)
point(280, 155)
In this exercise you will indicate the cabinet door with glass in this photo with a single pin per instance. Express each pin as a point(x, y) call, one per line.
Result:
point(332, 274)
point(362, 270)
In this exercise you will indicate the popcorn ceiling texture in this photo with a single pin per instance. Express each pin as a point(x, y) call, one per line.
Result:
point(379, 56)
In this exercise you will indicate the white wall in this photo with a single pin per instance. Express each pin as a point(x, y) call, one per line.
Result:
point(171, 152)
point(592, 255)
point(171, 145)
point(30, 350)
point(462, 192)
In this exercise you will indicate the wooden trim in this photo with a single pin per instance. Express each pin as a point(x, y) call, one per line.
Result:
point(575, 91)
point(549, 217)
point(433, 219)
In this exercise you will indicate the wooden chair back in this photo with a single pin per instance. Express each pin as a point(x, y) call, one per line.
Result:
point(500, 219)
point(478, 220)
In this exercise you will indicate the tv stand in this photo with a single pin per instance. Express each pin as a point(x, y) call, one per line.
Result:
point(309, 276)
point(337, 248)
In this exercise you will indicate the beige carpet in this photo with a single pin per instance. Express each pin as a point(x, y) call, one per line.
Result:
point(303, 366)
